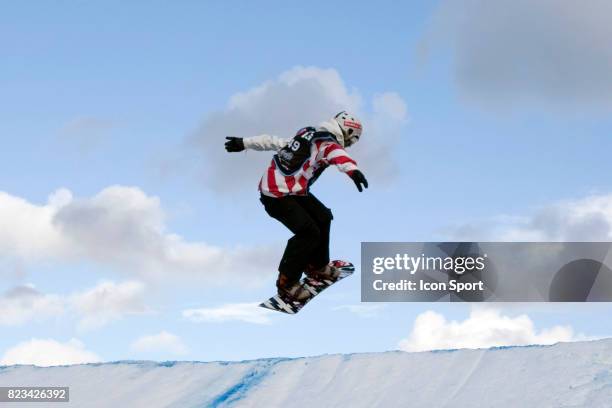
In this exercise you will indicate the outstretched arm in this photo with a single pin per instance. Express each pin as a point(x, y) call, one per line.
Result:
point(261, 142)
point(334, 154)
point(265, 142)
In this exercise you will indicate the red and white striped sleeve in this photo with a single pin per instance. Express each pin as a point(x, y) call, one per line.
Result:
point(333, 153)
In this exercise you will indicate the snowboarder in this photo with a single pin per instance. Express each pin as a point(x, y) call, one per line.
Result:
point(285, 194)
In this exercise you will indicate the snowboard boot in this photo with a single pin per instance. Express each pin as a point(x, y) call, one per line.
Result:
point(291, 290)
point(328, 272)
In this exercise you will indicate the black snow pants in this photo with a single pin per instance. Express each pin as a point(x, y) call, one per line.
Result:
point(310, 221)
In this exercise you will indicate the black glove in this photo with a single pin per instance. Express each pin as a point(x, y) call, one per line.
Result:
point(359, 179)
point(234, 144)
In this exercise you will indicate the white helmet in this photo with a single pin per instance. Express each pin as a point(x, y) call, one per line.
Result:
point(350, 126)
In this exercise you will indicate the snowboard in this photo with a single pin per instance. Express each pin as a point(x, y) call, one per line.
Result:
point(314, 286)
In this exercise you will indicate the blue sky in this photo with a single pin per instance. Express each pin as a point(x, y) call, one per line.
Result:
point(102, 94)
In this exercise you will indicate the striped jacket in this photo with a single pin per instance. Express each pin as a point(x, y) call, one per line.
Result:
point(299, 160)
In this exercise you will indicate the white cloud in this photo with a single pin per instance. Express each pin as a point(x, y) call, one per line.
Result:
point(243, 312)
point(485, 327)
point(586, 219)
point(48, 352)
point(161, 342)
point(391, 105)
point(299, 97)
point(108, 301)
point(95, 307)
point(124, 228)
point(27, 230)
point(555, 52)
point(24, 303)
point(362, 310)
point(376, 156)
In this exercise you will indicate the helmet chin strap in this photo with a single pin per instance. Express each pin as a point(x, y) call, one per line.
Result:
point(347, 142)
point(345, 138)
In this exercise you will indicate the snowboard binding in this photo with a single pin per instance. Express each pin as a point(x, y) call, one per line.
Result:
point(309, 287)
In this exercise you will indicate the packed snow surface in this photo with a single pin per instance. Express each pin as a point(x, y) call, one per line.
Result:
point(563, 375)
